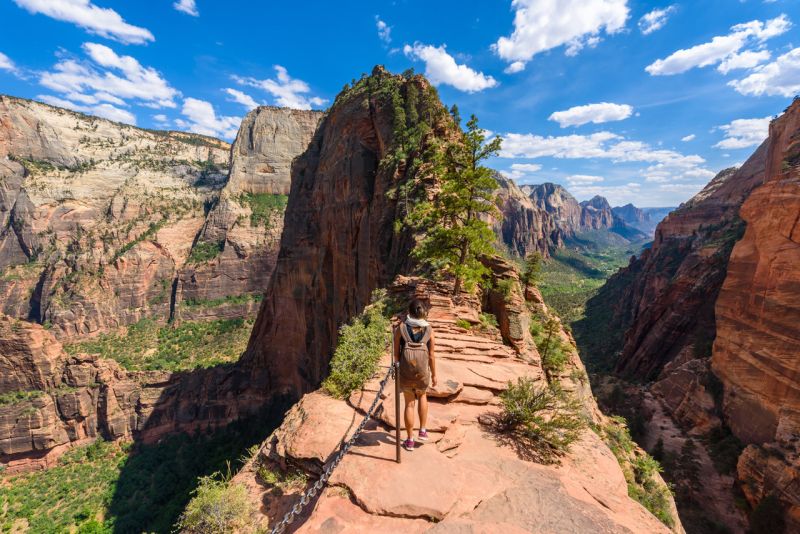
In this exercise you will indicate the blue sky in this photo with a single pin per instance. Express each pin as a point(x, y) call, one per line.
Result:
point(639, 101)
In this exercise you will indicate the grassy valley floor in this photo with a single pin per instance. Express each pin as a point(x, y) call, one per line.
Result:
point(574, 274)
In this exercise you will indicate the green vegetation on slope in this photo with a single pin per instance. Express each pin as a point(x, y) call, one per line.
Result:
point(263, 206)
point(573, 275)
point(110, 487)
point(361, 344)
point(74, 493)
point(149, 345)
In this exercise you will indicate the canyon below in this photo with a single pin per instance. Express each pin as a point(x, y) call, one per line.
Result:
point(168, 293)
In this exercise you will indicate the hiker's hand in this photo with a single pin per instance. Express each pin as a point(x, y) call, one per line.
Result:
point(433, 381)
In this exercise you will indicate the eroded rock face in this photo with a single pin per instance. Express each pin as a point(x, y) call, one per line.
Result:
point(339, 241)
point(662, 304)
point(268, 141)
point(758, 325)
point(103, 224)
point(61, 400)
point(596, 213)
point(557, 201)
point(525, 227)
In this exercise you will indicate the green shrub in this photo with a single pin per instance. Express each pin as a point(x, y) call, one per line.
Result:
point(552, 349)
point(644, 467)
point(506, 286)
point(205, 251)
point(541, 420)
point(218, 507)
point(533, 269)
point(656, 498)
point(724, 449)
point(189, 345)
point(463, 323)
point(488, 320)
point(360, 346)
point(263, 206)
point(15, 397)
point(282, 480)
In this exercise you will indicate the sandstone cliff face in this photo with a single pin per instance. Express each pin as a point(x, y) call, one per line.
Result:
point(757, 348)
point(663, 302)
point(557, 201)
point(55, 400)
point(103, 224)
point(708, 280)
point(596, 213)
point(268, 140)
point(525, 227)
point(339, 240)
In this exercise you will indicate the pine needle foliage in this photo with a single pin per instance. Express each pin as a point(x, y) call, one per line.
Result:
point(456, 236)
point(542, 421)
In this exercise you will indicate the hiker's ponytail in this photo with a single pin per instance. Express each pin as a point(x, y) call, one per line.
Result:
point(417, 309)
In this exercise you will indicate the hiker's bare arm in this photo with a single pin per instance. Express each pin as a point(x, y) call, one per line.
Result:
point(432, 359)
point(396, 345)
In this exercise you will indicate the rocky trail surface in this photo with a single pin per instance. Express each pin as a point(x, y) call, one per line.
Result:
point(466, 478)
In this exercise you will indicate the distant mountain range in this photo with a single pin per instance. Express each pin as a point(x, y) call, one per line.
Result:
point(546, 217)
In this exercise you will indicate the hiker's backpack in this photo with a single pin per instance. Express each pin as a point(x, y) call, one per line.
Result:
point(414, 357)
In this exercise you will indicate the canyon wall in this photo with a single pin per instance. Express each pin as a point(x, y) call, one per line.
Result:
point(525, 227)
point(757, 349)
point(708, 316)
point(339, 241)
point(103, 224)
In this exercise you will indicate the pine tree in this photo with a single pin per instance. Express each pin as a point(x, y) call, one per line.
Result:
point(533, 268)
point(456, 237)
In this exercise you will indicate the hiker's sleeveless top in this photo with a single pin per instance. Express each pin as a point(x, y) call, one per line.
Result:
point(414, 367)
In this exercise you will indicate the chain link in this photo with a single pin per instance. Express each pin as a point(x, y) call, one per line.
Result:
point(311, 492)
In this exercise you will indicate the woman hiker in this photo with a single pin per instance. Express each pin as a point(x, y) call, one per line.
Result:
point(413, 349)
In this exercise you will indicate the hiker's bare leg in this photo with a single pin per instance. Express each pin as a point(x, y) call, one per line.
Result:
point(409, 398)
point(423, 410)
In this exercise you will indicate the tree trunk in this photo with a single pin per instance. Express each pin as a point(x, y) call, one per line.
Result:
point(461, 260)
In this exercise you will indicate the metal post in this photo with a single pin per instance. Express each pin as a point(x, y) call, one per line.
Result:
point(396, 402)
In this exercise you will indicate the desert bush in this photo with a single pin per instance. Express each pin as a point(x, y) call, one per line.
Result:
point(542, 421)
point(360, 346)
point(488, 320)
point(218, 507)
point(552, 349)
point(205, 251)
point(656, 498)
point(506, 286)
point(463, 323)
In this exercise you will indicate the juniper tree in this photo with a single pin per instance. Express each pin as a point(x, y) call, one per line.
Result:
point(456, 236)
point(533, 268)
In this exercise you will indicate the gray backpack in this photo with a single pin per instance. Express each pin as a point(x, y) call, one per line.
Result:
point(414, 370)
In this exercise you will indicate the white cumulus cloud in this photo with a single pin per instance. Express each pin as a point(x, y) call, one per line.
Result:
point(242, 98)
point(655, 19)
point(744, 133)
point(779, 78)
point(7, 65)
point(594, 113)
point(384, 30)
point(104, 22)
point(664, 165)
point(743, 60)
point(202, 119)
point(108, 77)
point(688, 138)
point(105, 110)
point(720, 48)
point(288, 92)
point(540, 25)
point(441, 68)
point(187, 6)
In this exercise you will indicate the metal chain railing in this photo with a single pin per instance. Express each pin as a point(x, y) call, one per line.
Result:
point(311, 492)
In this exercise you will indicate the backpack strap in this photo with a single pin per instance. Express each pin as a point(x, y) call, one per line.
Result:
point(404, 333)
